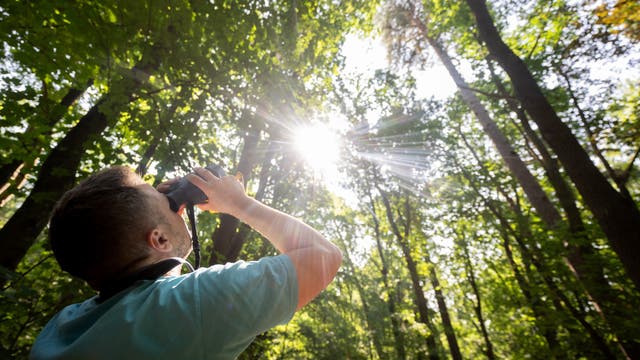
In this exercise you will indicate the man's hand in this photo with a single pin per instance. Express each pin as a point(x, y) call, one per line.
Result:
point(226, 194)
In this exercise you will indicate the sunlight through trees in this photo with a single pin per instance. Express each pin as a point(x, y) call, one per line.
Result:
point(476, 161)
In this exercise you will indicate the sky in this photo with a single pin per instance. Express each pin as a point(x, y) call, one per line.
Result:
point(365, 56)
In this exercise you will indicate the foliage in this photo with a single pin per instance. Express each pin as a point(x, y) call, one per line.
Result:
point(622, 17)
point(424, 206)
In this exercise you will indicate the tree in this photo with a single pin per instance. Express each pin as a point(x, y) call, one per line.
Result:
point(622, 17)
point(617, 216)
point(477, 307)
point(58, 172)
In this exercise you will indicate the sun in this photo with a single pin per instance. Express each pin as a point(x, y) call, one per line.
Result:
point(319, 146)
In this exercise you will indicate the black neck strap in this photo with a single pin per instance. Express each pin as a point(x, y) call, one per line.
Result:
point(194, 234)
point(149, 272)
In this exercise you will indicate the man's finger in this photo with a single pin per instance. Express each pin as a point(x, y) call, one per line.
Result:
point(197, 181)
point(206, 174)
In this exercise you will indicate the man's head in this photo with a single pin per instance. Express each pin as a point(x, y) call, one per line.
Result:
point(112, 223)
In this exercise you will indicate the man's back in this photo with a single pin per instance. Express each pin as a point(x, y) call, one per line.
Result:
point(213, 313)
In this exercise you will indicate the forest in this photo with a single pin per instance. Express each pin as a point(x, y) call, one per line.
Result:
point(475, 161)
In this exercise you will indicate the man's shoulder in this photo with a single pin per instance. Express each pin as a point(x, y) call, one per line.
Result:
point(273, 266)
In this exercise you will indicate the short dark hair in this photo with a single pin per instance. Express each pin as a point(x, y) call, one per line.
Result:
point(97, 229)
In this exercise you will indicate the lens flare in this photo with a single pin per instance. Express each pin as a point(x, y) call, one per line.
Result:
point(319, 146)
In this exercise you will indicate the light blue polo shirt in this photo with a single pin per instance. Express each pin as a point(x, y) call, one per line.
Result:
point(212, 313)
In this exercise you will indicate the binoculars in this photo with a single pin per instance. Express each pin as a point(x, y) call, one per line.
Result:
point(184, 192)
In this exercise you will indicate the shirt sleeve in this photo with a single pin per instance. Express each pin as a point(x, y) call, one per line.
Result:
point(243, 299)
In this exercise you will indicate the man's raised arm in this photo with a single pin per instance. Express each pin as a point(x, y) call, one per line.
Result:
point(315, 259)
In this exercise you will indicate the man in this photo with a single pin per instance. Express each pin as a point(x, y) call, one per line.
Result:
point(114, 225)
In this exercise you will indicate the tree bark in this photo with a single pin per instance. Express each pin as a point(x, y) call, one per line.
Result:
point(57, 173)
point(618, 217)
point(418, 292)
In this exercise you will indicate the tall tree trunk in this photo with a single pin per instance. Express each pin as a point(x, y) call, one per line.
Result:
point(354, 276)
point(527, 181)
point(58, 171)
point(391, 301)
point(418, 292)
point(477, 308)
point(444, 312)
point(562, 190)
point(618, 217)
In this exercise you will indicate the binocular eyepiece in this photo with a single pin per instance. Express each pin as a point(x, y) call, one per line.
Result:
point(184, 192)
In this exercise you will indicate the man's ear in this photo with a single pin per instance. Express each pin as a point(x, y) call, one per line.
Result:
point(157, 241)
